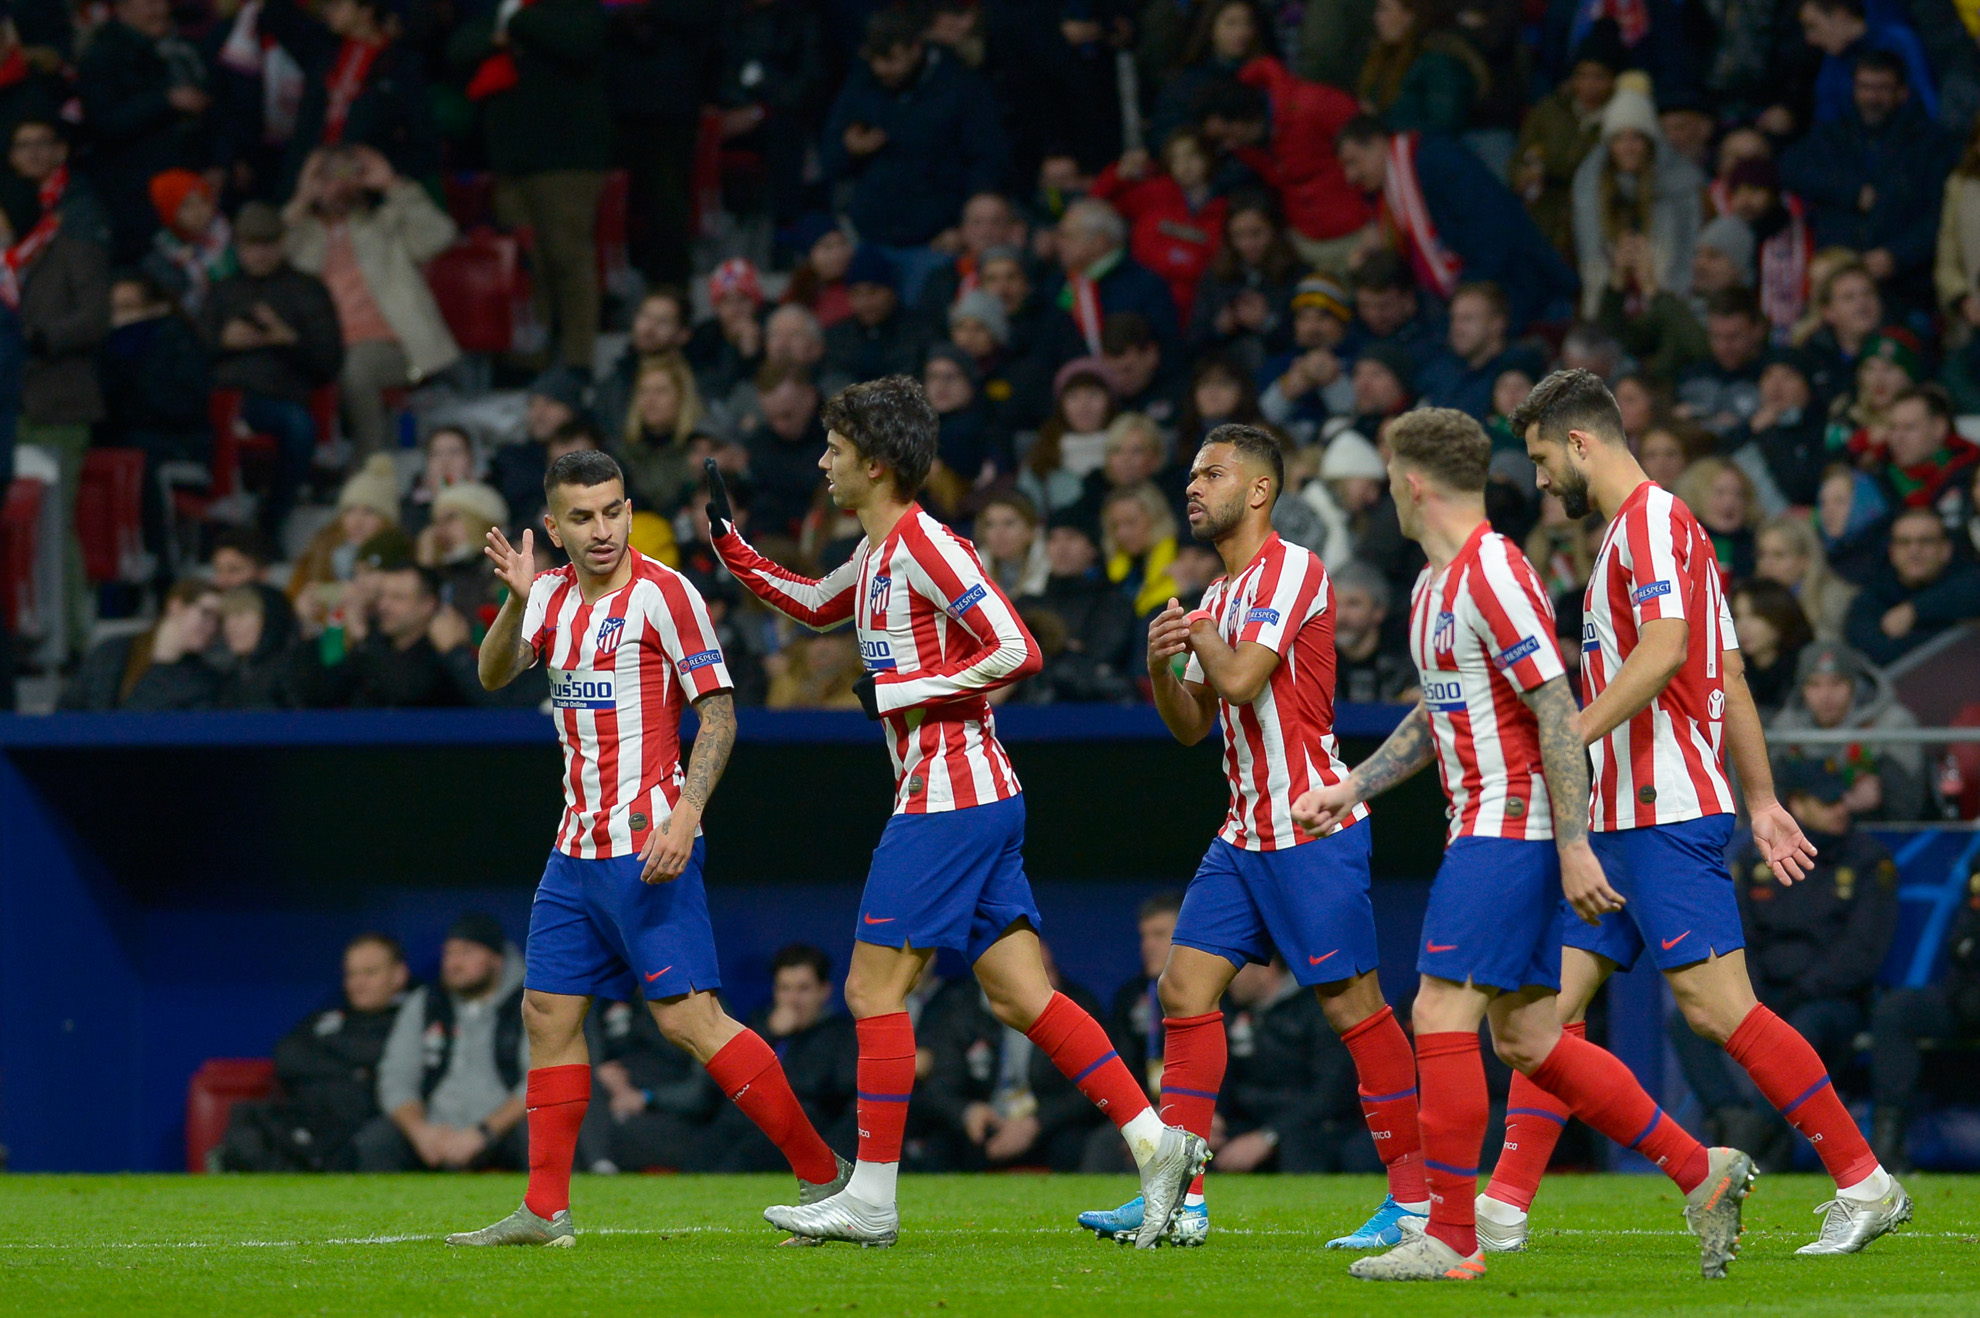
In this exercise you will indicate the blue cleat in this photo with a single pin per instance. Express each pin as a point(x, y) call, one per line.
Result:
point(1380, 1231)
point(1192, 1225)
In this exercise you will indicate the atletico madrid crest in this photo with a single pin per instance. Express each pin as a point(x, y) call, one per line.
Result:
point(1444, 639)
point(610, 633)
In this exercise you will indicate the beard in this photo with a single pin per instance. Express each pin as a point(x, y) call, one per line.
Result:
point(1218, 522)
point(1572, 490)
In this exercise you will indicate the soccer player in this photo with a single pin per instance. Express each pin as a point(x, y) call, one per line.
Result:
point(1261, 659)
point(937, 636)
point(628, 644)
point(1668, 703)
point(1498, 719)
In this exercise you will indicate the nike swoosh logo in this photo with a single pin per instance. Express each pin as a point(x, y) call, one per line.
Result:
point(888, 920)
point(1440, 947)
point(656, 974)
point(1670, 943)
point(1316, 960)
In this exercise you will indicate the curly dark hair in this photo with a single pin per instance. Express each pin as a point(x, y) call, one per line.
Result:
point(1569, 400)
point(888, 421)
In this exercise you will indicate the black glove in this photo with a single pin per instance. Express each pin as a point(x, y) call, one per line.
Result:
point(721, 517)
point(869, 696)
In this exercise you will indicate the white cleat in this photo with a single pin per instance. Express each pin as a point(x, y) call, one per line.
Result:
point(1848, 1224)
point(1496, 1237)
point(841, 1217)
point(522, 1227)
point(1712, 1209)
point(1165, 1178)
point(1420, 1257)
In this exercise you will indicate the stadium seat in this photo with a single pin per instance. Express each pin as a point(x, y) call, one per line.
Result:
point(470, 198)
point(211, 1094)
point(110, 515)
point(20, 519)
point(482, 291)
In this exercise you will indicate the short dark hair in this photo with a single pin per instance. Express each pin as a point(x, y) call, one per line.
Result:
point(1929, 514)
point(890, 422)
point(243, 540)
point(889, 29)
point(1495, 297)
point(1882, 61)
point(393, 947)
point(1384, 272)
point(1569, 400)
point(428, 579)
point(1741, 302)
point(673, 293)
point(1937, 401)
point(1167, 902)
point(1361, 130)
point(1231, 100)
point(802, 954)
point(1254, 443)
point(1444, 444)
point(586, 467)
point(582, 426)
point(1854, 8)
point(1126, 331)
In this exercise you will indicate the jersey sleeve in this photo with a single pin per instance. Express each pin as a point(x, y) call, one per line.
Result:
point(1287, 598)
point(536, 612)
point(819, 605)
point(1660, 558)
point(996, 648)
point(679, 618)
point(1515, 615)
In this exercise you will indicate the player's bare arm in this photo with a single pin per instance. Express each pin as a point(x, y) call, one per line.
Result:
point(1188, 708)
point(1783, 845)
point(1659, 654)
point(1241, 674)
point(669, 847)
point(1408, 749)
point(504, 653)
point(1564, 760)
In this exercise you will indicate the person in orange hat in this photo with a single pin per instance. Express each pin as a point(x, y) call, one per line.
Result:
point(196, 246)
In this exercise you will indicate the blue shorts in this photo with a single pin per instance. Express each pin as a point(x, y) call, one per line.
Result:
point(1310, 902)
point(1495, 915)
point(954, 878)
point(1677, 892)
point(595, 930)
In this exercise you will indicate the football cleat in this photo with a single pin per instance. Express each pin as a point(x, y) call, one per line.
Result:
point(1712, 1209)
point(522, 1227)
point(1422, 1257)
point(1178, 1160)
point(1384, 1229)
point(1191, 1228)
point(1849, 1224)
point(1495, 1237)
point(841, 1217)
point(810, 1192)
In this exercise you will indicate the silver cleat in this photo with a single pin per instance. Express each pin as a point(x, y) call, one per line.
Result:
point(1498, 1238)
point(841, 1217)
point(1712, 1209)
point(1165, 1178)
point(1848, 1225)
point(522, 1227)
point(1420, 1257)
point(813, 1192)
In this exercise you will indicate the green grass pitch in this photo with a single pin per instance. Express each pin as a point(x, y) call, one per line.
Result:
point(996, 1245)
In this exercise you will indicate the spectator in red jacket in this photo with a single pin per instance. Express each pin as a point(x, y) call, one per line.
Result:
point(1324, 212)
point(1174, 220)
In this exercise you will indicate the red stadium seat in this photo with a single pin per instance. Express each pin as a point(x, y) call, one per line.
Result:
point(20, 515)
point(211, 1094)
point(470, 196)
point(110, 514)
point(482, 292)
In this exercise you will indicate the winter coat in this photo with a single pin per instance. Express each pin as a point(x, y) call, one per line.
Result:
point(1437, 89)
point(187, 683)
point(1448, 380)
point(1675, 211)
point(391, 242)
point(65, 316)
point(122, 82)
point(1486, 227)
point(290, 372)
point(390, 113)
point(556, 116)
point(1905, 161)
point(1901, 764)
point(1948, 602)
point(1825, 935)
point(1956, 267)
point(1558, 136)
point(1164, 233)
point(945, 143)
point(657, 56)
point(1299, 163)
point(1665, 336)
point(155, 382)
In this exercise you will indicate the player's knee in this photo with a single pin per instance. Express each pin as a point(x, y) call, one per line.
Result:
point(1518, 1052)
point(549, 1025)
point(1710, 1020)
point(1180, 998)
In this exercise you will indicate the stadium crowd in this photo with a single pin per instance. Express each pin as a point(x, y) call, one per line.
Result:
point(1094, 229)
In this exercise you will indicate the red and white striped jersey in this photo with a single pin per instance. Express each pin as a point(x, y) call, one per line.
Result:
point(1280, 745)
point(622, 668)
point(1482, 632)
point(937, 635)
point(1665, 764)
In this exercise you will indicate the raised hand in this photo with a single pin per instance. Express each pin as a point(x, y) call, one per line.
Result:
point(721, 517)
point(514, 568)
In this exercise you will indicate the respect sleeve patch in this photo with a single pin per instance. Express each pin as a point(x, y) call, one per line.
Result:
point(1269, 616)
point(1512, 654)
point(1644, 594)
point(966, 601)
point(702, 660)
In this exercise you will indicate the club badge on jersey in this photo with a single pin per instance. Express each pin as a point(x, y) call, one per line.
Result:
point(1443, 639)
point(610, 633)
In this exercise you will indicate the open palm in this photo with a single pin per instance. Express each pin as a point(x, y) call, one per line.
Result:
point(514, 568)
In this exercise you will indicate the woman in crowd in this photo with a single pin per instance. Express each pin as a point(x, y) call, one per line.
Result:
point(1772, 630)
point(1228, 34)
point(1421, 74)
point(368, 504)
point(1641, 404)
point(1138, 540)
point(1218, 392)
point(160, 668)
point(1859, 420)
point(665, 415)
point(1013, 548)
point(819, 281)
point(971, 453)
point(1854, 519)
point(1787, 550)
point(1073, 441)
point(1666, 450)
point(1634, 184)
point(452, 543)
point(450, 459)
point(1720, 495)
point(1244, 304)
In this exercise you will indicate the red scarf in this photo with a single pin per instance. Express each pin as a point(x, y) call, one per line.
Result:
point(14, 264)
point(966, 276)
point(14, 68)
point(1437, 267)
point(497, 73)
point(346, 81)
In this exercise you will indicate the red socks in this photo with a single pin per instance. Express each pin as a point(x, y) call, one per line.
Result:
point(886, 1081)
point(1387, 1071)
point(1453, 1116)
point(1534, 1122)
point(751, 1076)
point(1194, 1055)
point(1604, 1093)
point(1794, 1080)
point(556, 1098)
point(1080, 1049)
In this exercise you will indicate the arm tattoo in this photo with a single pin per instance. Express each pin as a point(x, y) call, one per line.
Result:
point(1408, 749)
point(1563, 758)
point(711, 748)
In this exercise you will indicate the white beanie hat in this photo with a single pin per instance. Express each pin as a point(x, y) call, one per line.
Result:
point(1349, 455)
point(1629, 110)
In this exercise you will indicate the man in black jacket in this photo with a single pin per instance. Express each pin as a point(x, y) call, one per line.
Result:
point(405, 649)
point(1948, 1010)
point(1098, 620)
point(659, 1099)
point(363, 86)
point(656, 67)
point(1922, 591)
point(144, 97)
point(1813, 949)
point(881, 337)
point(328, 1071)
point(1289, 1098)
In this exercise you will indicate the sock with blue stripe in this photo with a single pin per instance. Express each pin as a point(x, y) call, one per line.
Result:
point(1386, 1071)
point(1195, 1054)
point(1534, 1122)
point(1452, 1120)
point(1084, 1055)
point(1605, 1094)
point(886, 1081)
point(1791, 1075)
